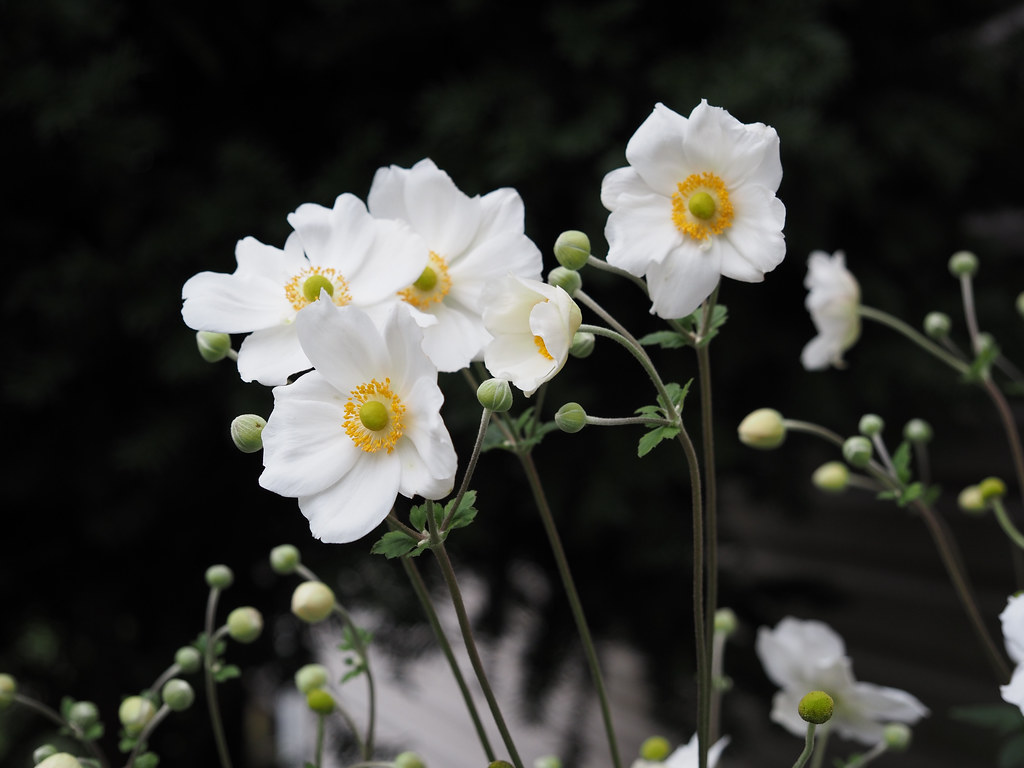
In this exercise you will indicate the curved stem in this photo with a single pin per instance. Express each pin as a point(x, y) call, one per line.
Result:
point(209, 656)
point(801, 761)
point(915, 336)
point(160, 715)
point(1009, 426)
point(604, 266)
point(54, 716)
point(485, 417)
point(1006, 524)
point(623, 421)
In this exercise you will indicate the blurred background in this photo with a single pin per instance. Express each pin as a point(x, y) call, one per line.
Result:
point(142, 140)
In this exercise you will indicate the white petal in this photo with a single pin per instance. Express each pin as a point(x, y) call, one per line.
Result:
point(1013, 692)
point(793, 647)
point(1012, 620)
point(343, 344)
point(357, 503)
point(785, 712)
point(886, 704)
point(428, 463)
point(620, 183)
point(739, 153)
point(640, 232)
point(656, 150)
point(818, 354)
point(490, 260)
point(688, 755)
point(501, 213)
point(516, 359)
point(458, 338)
point(270, 356)
point(756, 235)
point(682, 281)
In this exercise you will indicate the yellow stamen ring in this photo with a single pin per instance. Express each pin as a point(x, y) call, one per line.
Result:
point(431, 286)
point(701, 206)
point(304, 288)
point(373, 416)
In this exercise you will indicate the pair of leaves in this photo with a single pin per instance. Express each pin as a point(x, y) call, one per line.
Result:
point(691, 326)
point(669, 410)
point(400, 544)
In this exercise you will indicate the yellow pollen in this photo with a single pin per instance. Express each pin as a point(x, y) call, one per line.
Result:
point(373, 416)
point(542, 348)
point(701, 207)
point(431, 286)
point(304, 288)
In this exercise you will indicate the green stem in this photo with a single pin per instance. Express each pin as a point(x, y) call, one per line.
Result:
point(604, 266)
point(209, 656)
point(801, 761)
point(915, 336)
point(140, 742)
point(318, 755)
point(485, 417)
point(622, 421)
point(1007, 525)
point(54, 716)
point(819, 756)
point(1009, 426)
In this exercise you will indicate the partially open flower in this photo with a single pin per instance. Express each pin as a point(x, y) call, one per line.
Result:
point(833, 301)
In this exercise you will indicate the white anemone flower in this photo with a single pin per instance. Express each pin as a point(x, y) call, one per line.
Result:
point(337, 249)
point(696, 203)
point(803, 656)
point(533, 325)
point(473, 241)
point(362, 427)
point(1012, 619)
point(686, 755)
point(834, 302)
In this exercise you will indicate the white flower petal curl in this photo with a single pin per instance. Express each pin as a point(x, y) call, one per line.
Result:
point(833, 301)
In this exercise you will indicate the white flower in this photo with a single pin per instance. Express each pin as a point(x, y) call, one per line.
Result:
point(687, 755)
point(533, 325)
point(833, 301)
point(473, 241)
point(363, 427)
point(1012, 619)
point(803, 656)
point(697, 202)
point(359, 260)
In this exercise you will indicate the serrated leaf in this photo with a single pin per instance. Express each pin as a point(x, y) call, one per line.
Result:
point(718, 317)
point(466, 512)
point(665, 340)
point(394, 544)
point(654, 436)
point(912, 492)
point(418, 516)
point(901, 462)
point(347, 642)
point(356, 671)
point(495, 439)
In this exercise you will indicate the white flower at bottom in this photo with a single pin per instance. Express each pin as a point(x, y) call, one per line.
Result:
point(533, 325)
point(1012, 620)
point(687, 755)
point(361, 428)
point(833, 301)
point(803, 656)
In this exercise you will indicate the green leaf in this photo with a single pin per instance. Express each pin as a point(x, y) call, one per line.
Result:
point(348, 639)
point(982, 363)
point(93, 732)
point(653, 437)
point(718, 317)
point(466, 512)
point(901, 462)
point(394, 544)
point(147, 760)
point(886, 495)
point(227, 672)
point(495, 439)
point(418, 516)
point(910, 493)
point(932, 494)
point(665, 340)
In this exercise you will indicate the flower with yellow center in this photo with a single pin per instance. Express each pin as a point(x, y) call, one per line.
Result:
point(833, 299)
point(696, 203)
point(362, 427)
point(333, 252)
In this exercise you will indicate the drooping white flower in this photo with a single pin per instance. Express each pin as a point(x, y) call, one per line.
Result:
point(473, 241)
point(833, 301)
point(686, 755)
point(363, 427)
point(358, 259)
point(697, 202)
point(803, 656)
point(1012, 620)
point(533, 325)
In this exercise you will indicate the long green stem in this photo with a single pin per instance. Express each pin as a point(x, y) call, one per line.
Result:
point(143, 737)
point(915, 336)
point(485, 418)
point(819, 755)
point(801, 761)
point(318, 756)
point(209, 654)
point(1007, 525)
point(1010, 427)
point(54, 716)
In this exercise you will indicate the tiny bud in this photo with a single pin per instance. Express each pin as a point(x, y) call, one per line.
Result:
point(870, 425)
point(725, 621)
point(963, 264)
point(857, 451)
point(135, 713)
point(247, 432)
point(918, 431)
point(177, 694)
point(83, 714)
point(311, 677)
point(655, 748)
point(816, 707)
point(219, 577)
point(566, 279)
point(992, 488)
point(937, 325)
point(571, 418)
point(59, 760)
point(970, 500)
point(8, 687)
point(547, 761)
point(213, 347)
point(320, 701)
point(42, 752)
point(833, 477)
point(582, 344)
point(408, 760)
point(245, 624)
point(763, 429)
point(896, 736)
point(312, 601)
point(188, 659)
point(500, 764)
point(572, 249)
point(284, 559)
point(495, 395)
point(986, 342)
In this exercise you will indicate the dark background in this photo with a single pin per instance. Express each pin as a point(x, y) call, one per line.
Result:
point(142, 140)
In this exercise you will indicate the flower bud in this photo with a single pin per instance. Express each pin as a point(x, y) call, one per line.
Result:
point(918, 431)
point(857, 451)
point(188, 659)
point(42, 752)
point(547, 761)
point(763, 429)
point(963, 264)
point(870, 425)
point(971, 501)
point(655, 748)
point(177, 694)
point(312, 601)
point(219, 577)
point(320, 701)
point(571, 418)
point(59, 760)
point(310, 677)
point(992, 488)
point(495, 395)
point(408, 760)
point(572, 249)
point(83, 714)
point(832, 477)
point(725, 621)
point(135, 713)
point(500, 764)
point(896, 736)
point(284, 559)
point(937, 325)
point(213, 347)
point(247, 432)
point(8, 687)
point(245, 624)
point(985, 342)
point(582, 344)
point(816, 707)
point(566, 279)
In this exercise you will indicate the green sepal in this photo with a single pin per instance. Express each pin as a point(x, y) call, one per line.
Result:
point(396, 544)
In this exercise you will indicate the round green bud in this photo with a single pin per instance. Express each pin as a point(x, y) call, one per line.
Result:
point(725, 621)
point(312, 601)
point(247, 432)
point(992, 488)
point(311, 677)
point(896, 736)
point(937, 325)
point(42, 752)
point(571, 418)
point(245, 624)
point(8, 687)
point(284, 559)
point(832, 476)
point(655, 748)
point(547, 761)
point(495, 395)
point(857, 451)
point(986, 342)
point(408, 760)
point(572, 249)
point(83, 714)
point(963, 264)
point(870, 425)
point(566, 279)
point(177, 694)
point(971, 501)
point(320, 701)
point(1020, 303)
point(219, 577)
point(816, 707)
point(188, 659)
point(763, 429)
point(135, 713)
point(213, 347)
point(918, 431)
point(500, 764)
point(59, 760)
point(582, 344)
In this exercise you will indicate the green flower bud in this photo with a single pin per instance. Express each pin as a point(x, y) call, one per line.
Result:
point(177, 694)
point(311, 677)
point(500, 764)
point(320, 701)
point(245, 624)
point(8, 687)
point(247, 432)
point(986, 342)
point(42, 752)
point(284, 559)
point(832, 476)
point(312, 601)
point(918, 431)
point(992, 488)
point(566, 279)
point(60, 760)
point(547, 761)
point(937, 325)
point(582, 344)
point(963, 263)
point(572, 249)
point(725, 621)
point(188, 659)
point(135, 713)
point(870, 425)
point(571, 418)
point(896, 736)
point(816, 707)
point(655, 748)
point(219, 577)
point(213, 347)
point(857, 451)
point(762, 429)
point(495, 395)
point(1020, 303)
point(409, 760)
point(971, 501)
point(83, 714)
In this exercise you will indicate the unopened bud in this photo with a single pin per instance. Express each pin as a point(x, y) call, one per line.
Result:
point(582, 344)
point(60, 760)
point(42, 752)
point(763, 429)
point(870, 425)
point(571, 418)
point(572, 249)
point(247, 432)
point(409, 760)
point(971, 501)
point(963, 263)
point(284, 559)
point(566, 279)
point(937, 325)
point(655, 748)
point(918, 431)
point(177, 694)
point(992, 488)
point(547, 761)
point(245, 624)
point(896, 736)
point(312, 601)
point(188, 659)
point(213, 347)
point(857, 451)
point(495, 395)
point(500, 764)
point(8, 687)
point(320, 701)
point(135, 713)
point(816, 707)
point(725, 621)
point(833, 477)
point(219, 577)
point(83, 714)
point(310, 677)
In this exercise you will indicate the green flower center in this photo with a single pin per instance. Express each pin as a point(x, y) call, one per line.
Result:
point(314, 284)
point(427, 280)
point(702, 205)
point(374, 415)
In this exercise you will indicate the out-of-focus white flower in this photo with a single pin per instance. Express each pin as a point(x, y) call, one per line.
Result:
point(802, 656)
point(686, 756)
point(533, 325)
point(1012, 619)
point(473, 241)
point(357, 259)
point(363, 427)
point(697, 202)
point(833, 301)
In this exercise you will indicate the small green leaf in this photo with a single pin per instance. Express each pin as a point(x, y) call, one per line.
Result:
point(910, 493)
point(227, 672)
point(394, 544)
point(348, 640)
point(653, 437)
point(665, 340)
point(147, 760)
point(466, 512)
point(93, 732)
point(901, 462)
point(418, 516)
